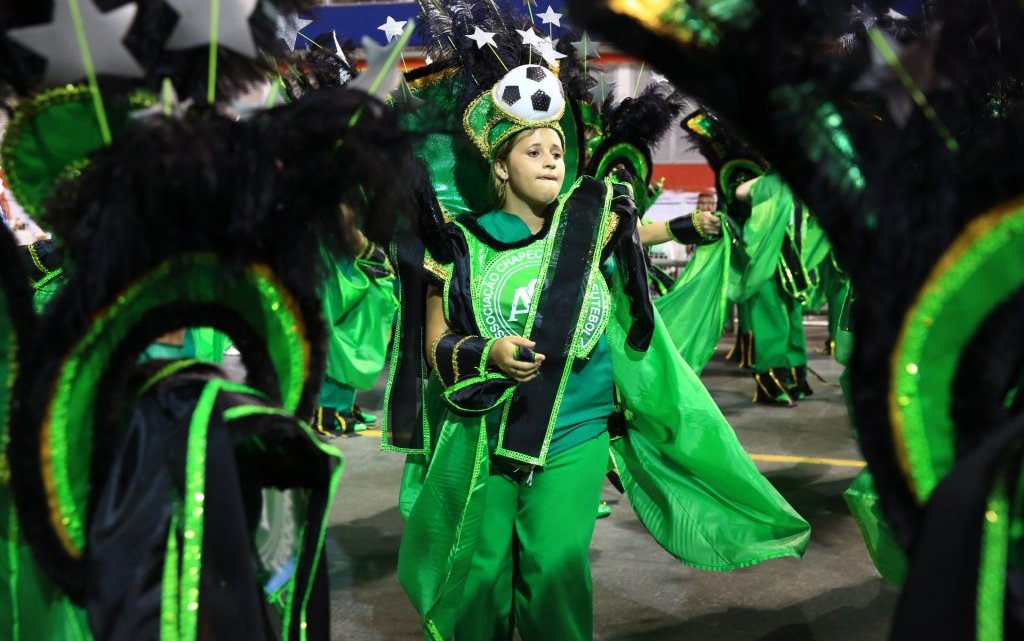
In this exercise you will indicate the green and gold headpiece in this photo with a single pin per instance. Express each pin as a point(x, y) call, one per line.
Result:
point(51, 137)
point(528, 97)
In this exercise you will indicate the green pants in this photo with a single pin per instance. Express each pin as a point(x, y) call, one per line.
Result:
point(337, 396)
point(778, 324)
point(531, 569)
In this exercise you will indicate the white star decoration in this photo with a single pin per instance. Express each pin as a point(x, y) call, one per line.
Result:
point(288, 28)
point(530, 37)
point(193, 26)
point(393, 28)
point(56, 41)
point(550, 17)
point(546, 49)
point(482, 38)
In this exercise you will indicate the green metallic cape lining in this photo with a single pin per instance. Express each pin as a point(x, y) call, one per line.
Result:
point(593, 271)
point(193, 278)
point(979, 271)
point(995, 544)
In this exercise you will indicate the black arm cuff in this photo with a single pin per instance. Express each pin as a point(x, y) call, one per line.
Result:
point(683, 230)
point(458, 357)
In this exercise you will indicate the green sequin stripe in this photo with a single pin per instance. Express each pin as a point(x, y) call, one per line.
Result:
point(197, 278)
point(170, 625)
point(476, 380)
point(995, 544)
point(193, 508)
point(977, 273)
point(593, 271)
point(549, 250)
point(168, 370)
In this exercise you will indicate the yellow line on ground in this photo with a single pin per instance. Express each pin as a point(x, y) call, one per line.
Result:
point(764, 458)
point(807, 460)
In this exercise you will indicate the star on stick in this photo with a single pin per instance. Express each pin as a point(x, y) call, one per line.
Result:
point(393, 28)
point(381, 76)
point(193, 26)
point(546, 49)
point(288, 28)
point(550, 17)
point(482, 38)
point(586, 48)
point(58, 43)
point(600, 91)
point(530, 37)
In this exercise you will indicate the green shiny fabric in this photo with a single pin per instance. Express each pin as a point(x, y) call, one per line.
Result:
point(763, 235)
point(360, 313)
point(31, 607)
point(887, 555)
point(694, 311)
point(687, 477)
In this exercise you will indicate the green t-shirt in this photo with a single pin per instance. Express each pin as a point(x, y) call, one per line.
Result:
point(589, 397)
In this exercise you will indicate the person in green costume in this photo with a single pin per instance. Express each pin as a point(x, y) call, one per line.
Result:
point(776, 284)
point(543, 350)
point(359, 305)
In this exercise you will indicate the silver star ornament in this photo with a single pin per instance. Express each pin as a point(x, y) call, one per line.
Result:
point(482, 38)
point(193, 26)
point(58, 43)
point(393, 28)
point(288, 28)
point(550, 17)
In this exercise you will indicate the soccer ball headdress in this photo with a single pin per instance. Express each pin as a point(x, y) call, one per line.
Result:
point(528, 97)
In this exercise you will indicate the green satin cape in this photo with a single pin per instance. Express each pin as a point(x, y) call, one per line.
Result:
point(763, 236)
point(694, 311)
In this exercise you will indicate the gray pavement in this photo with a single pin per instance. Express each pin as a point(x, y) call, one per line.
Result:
point(640, 592)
